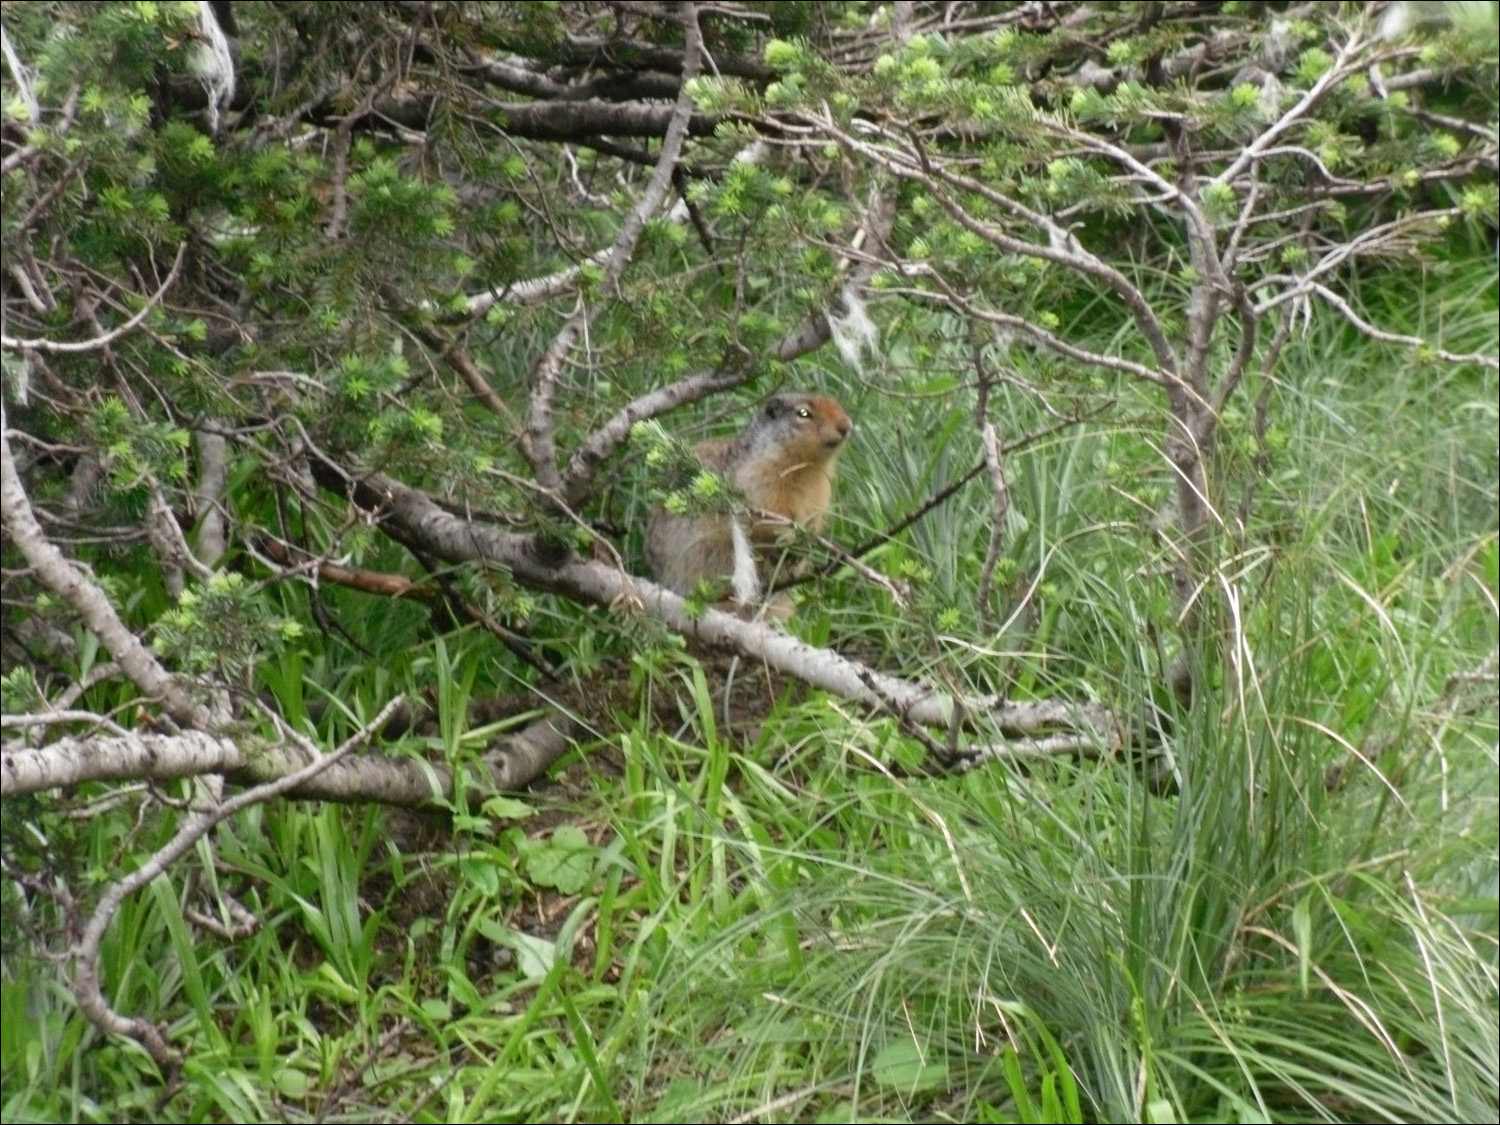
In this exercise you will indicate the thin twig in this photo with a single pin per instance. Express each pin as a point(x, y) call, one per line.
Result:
point(937, 499)
point(85, 953)
point(73, 347)
point(85, 596)
point(539, 442)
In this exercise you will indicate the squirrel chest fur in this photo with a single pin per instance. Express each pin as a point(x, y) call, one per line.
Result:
point(783, 463)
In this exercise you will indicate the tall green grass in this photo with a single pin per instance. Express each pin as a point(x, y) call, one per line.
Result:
point(791, 923)
point(1304, 929)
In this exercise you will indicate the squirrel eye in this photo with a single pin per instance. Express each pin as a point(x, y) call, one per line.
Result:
point(803, 412)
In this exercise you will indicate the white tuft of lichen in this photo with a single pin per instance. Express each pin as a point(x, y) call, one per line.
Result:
point(25, 92)
point(853, 331)
point(213, 64)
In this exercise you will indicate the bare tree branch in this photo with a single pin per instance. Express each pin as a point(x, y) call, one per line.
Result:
point(535, 563)
point(86, 598)
point(1061, 247)
point(1370, 330)
point(540, 446)
point(98, 343)
point(1350, 61)
point(512, 763)
point(85, 953)
point(616, 430)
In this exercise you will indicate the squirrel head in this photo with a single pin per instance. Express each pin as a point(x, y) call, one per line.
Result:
point(814, 426)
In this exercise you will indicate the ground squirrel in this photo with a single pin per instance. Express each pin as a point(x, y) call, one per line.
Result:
point(783, 463)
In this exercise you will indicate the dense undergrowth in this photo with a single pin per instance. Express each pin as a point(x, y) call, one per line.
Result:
point(1283, 908)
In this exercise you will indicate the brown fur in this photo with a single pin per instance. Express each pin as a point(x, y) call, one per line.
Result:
point(783, 462)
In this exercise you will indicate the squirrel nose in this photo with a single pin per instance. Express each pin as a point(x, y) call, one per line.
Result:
point(845, 426)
